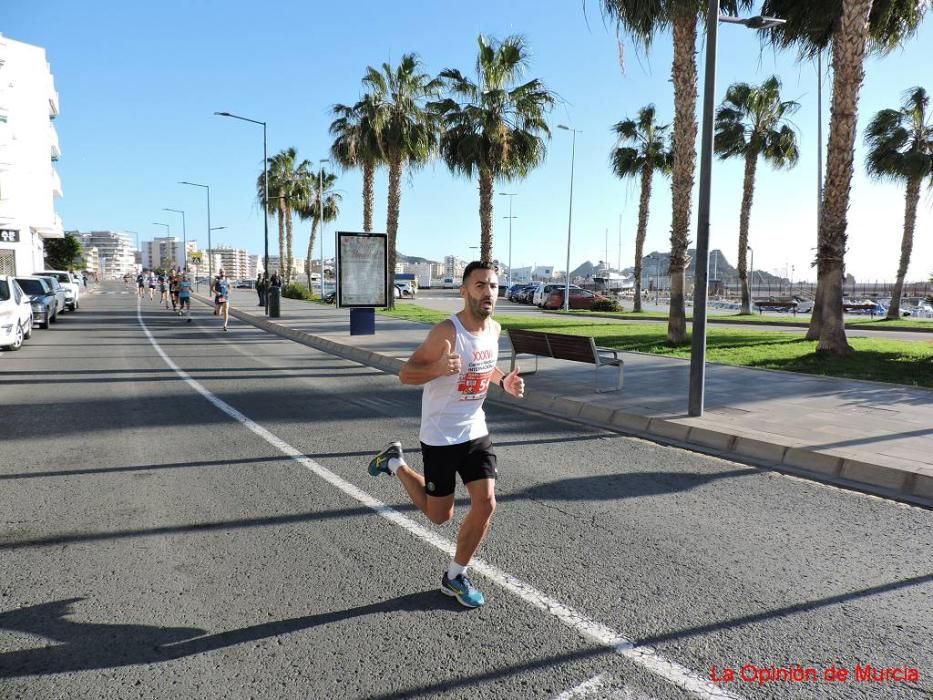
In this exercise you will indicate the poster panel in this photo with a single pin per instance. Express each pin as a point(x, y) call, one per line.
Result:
point(362, 278)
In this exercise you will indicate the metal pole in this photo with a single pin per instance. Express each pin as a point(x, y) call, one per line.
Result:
point(573, 151)
point(701, 287)
point(184, 238)
point(819, 138)
point(620, 245)
point(320, 207)
point(265, 210)
point(210, 265)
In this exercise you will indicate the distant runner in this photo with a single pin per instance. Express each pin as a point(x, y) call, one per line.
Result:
point(455, 364)
point(222, 297)
point(140, 285)
point(184, 297)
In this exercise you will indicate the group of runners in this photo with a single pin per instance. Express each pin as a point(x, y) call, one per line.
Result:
point(175, 291)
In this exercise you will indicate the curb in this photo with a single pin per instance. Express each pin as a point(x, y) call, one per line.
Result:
point(875, 479)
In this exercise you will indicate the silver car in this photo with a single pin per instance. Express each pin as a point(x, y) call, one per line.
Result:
point(59, 292)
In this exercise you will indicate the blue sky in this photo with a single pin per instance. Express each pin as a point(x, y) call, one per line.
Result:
point(139, 83)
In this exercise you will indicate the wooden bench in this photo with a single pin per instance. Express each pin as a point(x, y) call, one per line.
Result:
point(577, 348)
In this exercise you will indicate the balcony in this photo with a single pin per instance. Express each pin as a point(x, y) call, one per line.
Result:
point(53, 103)
point(56, 184)
point(56, 149)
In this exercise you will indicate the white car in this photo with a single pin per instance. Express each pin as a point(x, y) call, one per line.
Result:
point(15, 314)
point(72, 289)
point(544, 289)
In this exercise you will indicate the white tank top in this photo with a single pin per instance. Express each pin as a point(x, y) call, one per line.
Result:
point(452, 407)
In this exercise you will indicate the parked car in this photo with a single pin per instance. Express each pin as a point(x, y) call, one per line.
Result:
point(525, 294)
point(579, 299)
point(42, 298)
point(543, 290)
point(243, 284)
point(15, 314)
point(72, 288)
point(407, 288)
point(59, 292)
point(511, 291)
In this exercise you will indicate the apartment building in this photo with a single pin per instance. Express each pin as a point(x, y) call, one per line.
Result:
point(236, 263)
point(116, 254)
point(29, 183)
point(166, 252)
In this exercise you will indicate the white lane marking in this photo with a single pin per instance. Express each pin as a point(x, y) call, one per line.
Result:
point(595, 631)
point(584, 689)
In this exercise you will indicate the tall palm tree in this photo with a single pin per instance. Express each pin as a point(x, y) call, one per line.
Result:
point(649, 153)
point(356, 145)
point(494, 128)
point(318, 186)
point(407, 129)
point(642, 20)
point(851, 28)
point(749, 125)
point(284, 197)
point(900, 147)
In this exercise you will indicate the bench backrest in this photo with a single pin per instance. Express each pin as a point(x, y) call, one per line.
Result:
point(572, 347)
point(529, 342)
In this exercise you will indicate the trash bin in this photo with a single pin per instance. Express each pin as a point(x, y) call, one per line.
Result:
point(274, 295)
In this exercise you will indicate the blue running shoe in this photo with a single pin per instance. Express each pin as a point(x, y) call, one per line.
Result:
point(463, 590)
point(380, 463)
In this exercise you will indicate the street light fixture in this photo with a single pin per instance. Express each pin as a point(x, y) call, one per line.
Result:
point(210, 268)
point(265, 191)
point(701, 287)
point(573, 149)
point(511, 196)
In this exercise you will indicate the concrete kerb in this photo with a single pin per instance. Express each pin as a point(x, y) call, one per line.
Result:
point(861, 476)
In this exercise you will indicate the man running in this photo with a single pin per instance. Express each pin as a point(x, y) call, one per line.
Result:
point(163, 291)
point(222, 297)
point(140, 285)
point(174, 281)
point(184, 297)
point(455, 364)
point(152, 285)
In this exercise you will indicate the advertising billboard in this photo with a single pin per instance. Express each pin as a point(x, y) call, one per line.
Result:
point(362, 279)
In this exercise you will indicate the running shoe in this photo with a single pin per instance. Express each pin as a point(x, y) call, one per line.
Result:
point(463, 590)
point(380, 463)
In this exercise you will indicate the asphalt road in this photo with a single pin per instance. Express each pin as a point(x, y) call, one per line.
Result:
point(449, 300)
point(201, 525)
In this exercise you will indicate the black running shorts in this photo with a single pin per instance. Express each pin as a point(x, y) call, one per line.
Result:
point(472, 460)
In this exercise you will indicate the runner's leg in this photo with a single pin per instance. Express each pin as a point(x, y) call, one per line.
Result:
point(438, 509)
point(476, 523)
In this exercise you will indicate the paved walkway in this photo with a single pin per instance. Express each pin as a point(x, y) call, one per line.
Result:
point(872, 436)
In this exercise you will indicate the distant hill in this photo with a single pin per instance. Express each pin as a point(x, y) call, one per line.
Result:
point(413, 259)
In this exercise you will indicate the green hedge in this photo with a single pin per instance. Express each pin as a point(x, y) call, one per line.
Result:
point(606, 305)
point(297, 291)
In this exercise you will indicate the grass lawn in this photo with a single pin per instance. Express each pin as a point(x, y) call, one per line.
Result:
point(894, 361)
point(789, 320)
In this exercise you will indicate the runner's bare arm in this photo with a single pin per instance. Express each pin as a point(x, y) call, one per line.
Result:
point(433, 358)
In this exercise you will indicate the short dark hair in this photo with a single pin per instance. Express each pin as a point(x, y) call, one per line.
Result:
point(478, 265)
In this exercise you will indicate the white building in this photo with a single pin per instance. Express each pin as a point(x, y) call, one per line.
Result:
point(165, 252)
point(116, 253)
point(29, 146)
point(235, 262)
point(298, 267)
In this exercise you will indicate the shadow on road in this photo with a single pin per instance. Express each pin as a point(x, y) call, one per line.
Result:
point(82, 646)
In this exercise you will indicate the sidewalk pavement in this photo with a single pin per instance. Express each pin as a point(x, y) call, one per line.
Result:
point(870, 436)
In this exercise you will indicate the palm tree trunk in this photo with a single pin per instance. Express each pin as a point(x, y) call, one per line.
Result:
point(646, 173)
point(848, 71)
point(311, 250)
point(289, 245)
point(369, 178)
point(485, 215)
point(684, 74)
point(907, 243)
point(816, 316)
point(748, 192)
point(281, 217)
point(395, 199)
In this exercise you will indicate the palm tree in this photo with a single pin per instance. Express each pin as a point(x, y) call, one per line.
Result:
point(406, 129)
point(318, 186)
point(650, 152)
point(494, 128)
point(900, 147)
point(749, 125)
point(642, 20)
point(284, 197)
point(356, 145)
point(851, 28)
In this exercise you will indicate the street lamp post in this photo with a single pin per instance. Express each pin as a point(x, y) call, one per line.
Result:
point(510, 195)
point(184, 233)
point(320, 212)
point(265, 191)
point(168, 234)
point(210, 267)
point(573, 149)
point(701, 287)
point(751, 272)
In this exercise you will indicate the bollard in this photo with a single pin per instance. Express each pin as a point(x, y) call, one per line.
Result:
point(274, 295)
